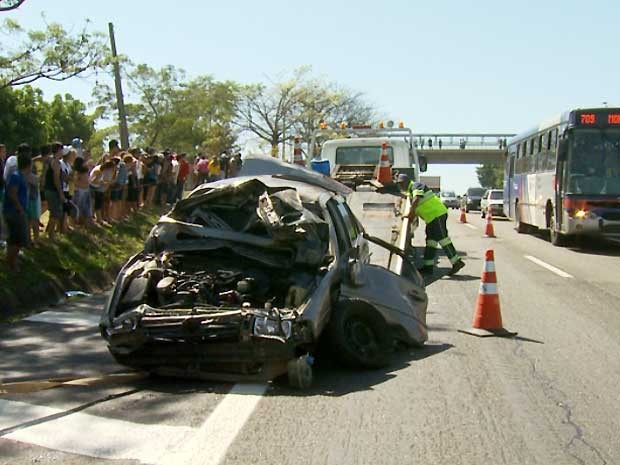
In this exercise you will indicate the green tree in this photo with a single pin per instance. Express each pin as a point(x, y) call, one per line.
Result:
point(27, 117)
point(24, 117)
point(68, 119)
point(491, 175)
point(51, 53)
point(169, 111)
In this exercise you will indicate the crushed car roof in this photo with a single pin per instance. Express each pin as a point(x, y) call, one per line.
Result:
point(307, 192)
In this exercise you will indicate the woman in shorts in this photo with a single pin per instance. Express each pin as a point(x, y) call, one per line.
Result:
point(81, 196)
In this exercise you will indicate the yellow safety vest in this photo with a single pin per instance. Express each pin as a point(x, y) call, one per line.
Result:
point(429, 207)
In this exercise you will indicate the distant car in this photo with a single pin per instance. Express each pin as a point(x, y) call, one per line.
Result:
point(449, 199)
point(493, 201)
point(473, 198)
point(244, 277)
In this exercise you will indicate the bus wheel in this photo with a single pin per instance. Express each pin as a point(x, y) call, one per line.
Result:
point(558, 239)
point(519, 225)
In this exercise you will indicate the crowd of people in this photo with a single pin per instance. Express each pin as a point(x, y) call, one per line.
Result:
point(80, 192)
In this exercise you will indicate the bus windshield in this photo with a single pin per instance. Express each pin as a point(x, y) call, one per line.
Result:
point(594, 162)
point(361, 155)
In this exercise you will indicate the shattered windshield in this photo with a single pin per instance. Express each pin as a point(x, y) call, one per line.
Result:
point(594, 162)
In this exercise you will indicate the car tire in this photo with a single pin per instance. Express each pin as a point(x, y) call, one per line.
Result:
point(359, 336)
point(482, 214)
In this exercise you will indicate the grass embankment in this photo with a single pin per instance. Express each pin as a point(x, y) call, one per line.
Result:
point(78, 260)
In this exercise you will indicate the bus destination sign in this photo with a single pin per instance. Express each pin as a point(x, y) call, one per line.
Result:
point(597, 118)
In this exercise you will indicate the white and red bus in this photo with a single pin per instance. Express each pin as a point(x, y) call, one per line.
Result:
point(564, 176)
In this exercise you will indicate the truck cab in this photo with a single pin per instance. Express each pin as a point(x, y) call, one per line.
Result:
point(352, 154)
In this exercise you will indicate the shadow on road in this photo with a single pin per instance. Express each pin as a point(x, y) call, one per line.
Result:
point(584, 245)
point(332, 380)
point(527, 339)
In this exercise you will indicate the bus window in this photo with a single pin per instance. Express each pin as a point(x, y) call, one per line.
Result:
point(551, 160)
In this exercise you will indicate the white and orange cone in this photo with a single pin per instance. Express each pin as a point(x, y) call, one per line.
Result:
point(489, 231)
point(384, 172)
point(463, 218)
point(488, 315)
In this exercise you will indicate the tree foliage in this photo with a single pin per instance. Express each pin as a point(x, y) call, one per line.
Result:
point(296, 106)
point(169, 111)
point(27, 117)
point(51, 53)
point(491, 175)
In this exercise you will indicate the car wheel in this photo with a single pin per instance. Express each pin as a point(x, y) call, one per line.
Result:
point(482, 214)
point(359, 336)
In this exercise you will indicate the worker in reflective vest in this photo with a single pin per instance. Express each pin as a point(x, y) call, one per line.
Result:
point(426, 205)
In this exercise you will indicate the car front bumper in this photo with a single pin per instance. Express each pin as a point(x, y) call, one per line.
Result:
point(222, 347)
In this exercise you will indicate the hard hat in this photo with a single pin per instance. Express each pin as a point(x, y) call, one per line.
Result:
point(403, 177)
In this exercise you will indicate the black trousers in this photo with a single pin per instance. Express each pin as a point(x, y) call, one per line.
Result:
point(437, 234)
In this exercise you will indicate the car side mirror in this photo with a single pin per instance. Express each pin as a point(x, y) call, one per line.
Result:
point(423, 163)
point(563, 150)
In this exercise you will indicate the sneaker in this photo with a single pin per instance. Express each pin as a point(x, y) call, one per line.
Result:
point(457, 266)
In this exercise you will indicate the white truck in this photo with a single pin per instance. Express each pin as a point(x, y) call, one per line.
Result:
point(352, 154)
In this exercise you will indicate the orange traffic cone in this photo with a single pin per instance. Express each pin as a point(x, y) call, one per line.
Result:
point(489, 231)
point(297, 157)
point(384, 173)
point(488, 316)
point(463, 218)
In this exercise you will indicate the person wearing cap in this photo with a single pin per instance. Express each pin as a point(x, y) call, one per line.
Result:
point(14, 209)
point(426, 205)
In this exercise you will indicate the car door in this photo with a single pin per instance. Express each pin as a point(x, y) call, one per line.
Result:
point(349, 230)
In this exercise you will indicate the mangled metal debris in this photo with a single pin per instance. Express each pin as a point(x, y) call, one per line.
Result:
point(240, 280)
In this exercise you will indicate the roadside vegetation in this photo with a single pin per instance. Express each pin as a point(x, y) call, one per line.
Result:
point(79, 256)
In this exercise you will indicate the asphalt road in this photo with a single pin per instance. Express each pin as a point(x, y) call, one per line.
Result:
point(548, 396)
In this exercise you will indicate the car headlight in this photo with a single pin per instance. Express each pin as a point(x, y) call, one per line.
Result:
point(264, 326)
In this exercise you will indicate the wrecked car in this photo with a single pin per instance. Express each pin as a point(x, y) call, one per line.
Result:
point(244, 277)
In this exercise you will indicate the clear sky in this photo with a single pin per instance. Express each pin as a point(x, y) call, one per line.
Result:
point(442, 66)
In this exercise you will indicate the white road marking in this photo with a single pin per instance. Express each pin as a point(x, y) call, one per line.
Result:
point(107, 438)
point(551, 268)
point(470, 226)
point(65, 318)
point(211, 442)
point(90, 435)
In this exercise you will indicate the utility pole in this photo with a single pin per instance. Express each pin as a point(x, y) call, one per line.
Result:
point(120, 102)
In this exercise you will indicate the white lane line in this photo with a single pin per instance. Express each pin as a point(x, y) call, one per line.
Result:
point(470, 226)
point(211, 442)
point(551, 268)
point(90, 435)
point(107, 438)
point(65, 318)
